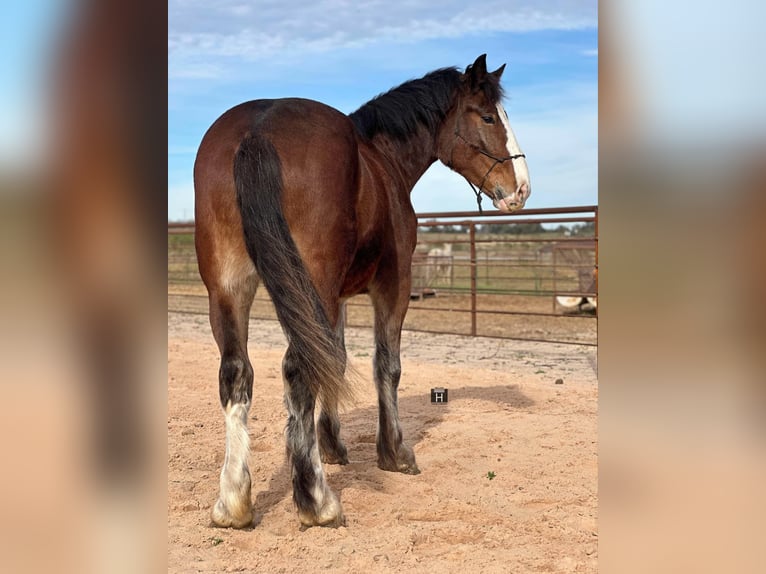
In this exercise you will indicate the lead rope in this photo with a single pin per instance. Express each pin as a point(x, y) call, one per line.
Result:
point(478, 194)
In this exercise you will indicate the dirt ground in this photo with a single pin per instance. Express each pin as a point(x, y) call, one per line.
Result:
point(506, 418)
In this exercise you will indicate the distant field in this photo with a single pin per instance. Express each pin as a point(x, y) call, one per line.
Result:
point(517, 278)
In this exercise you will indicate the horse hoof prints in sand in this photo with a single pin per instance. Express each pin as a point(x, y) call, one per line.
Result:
point(316, 204)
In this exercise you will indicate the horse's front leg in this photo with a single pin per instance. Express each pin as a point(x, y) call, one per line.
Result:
point(390, 308)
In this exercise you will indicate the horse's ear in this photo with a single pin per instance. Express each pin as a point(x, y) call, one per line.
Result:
point(480, 65)
point(477, 71)
point(499, 72)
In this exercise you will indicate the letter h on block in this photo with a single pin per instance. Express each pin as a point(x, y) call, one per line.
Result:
point(439, 395)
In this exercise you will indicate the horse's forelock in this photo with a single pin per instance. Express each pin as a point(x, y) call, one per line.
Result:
point(492, 89)
point(488, 83)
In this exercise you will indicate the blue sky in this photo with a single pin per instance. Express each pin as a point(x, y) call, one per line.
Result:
point(692, 84)
point(344, 52)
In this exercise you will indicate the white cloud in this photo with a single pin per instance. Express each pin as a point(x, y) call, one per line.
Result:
point(226, 28)
point(193, 71)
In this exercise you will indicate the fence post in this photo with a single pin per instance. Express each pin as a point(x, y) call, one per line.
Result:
point(595, 233)
point(555, 286)
point(452, 269)
point(472, 230)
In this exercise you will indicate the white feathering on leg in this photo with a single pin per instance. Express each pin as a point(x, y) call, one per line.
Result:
point(233, 507)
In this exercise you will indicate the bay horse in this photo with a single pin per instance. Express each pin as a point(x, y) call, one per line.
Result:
point(316, 204)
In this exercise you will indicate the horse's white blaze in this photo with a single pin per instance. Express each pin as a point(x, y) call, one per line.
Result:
point(519, 163)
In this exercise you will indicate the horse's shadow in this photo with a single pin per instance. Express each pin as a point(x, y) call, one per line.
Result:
point(279, 487)
point(418, 417)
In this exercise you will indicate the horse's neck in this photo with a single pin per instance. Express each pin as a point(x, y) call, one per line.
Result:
point(407, 161)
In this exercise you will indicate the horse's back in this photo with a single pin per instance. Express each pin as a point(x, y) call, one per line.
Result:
point(316, 146)
point(296, 127)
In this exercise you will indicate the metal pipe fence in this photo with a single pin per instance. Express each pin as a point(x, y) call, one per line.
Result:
point(531, 275)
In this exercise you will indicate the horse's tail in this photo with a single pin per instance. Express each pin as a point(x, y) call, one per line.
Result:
point(314, 348)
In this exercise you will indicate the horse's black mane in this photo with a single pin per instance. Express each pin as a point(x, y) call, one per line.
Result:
point(401, 111)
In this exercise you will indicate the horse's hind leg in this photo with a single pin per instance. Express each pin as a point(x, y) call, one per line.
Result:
point(331, 448)
point(390, 302)
point(229, 313)
point(317, 504)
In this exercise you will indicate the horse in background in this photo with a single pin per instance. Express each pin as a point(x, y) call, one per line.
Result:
point(316, 205)
point(439, 264)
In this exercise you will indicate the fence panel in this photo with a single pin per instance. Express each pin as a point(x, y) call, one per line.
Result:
point(531, 275)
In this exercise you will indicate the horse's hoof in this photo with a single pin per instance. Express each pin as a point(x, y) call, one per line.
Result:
point(334, 459)
point(337, 457)
point(332, 451)
point(225, 518)
point(336, 522)
point(404, 468)
point(404, 462)
point(330, 515)
point(409, 469)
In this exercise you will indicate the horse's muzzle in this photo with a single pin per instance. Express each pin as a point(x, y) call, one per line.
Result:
point(513, 201)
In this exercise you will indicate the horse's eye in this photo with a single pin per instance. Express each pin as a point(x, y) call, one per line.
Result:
point(488, 119)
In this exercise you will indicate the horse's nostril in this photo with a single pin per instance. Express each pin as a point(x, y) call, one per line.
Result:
point(523, 191)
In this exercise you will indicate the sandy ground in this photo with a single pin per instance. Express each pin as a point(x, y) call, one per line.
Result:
point(506, 417)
